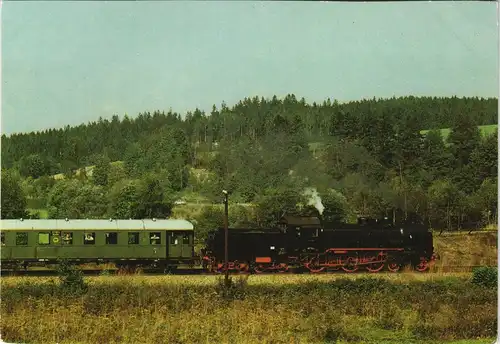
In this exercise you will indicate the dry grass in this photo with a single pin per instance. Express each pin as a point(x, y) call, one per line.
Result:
point(467, 250)
point(261, 309)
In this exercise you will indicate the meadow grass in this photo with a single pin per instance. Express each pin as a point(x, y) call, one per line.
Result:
point(385, 308)
point(465, 250)
point(485, 130)
point(42, 213)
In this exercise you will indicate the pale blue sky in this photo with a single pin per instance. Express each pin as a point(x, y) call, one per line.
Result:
point(71, 62)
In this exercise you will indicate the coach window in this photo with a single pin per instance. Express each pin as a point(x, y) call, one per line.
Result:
point(89, 238)
point(155, 238)
point(173, 239)
point(111, 238)
point(21, 238)
point(133, 238)
point(185, 239)
point(3, 238)
point(67, 238)
point(43, 238)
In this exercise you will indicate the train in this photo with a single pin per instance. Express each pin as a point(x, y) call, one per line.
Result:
point(296, 243)
point(305, 243)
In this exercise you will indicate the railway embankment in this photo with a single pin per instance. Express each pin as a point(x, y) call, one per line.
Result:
point(466, 250)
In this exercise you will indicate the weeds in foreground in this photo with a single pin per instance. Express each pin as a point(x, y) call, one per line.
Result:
point(132, 309)
point(71, 278)
point(486, 276)
point(234, 289)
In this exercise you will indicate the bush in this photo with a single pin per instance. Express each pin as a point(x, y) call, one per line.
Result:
point(71, 278)
point(235, 290)
point(486, 276)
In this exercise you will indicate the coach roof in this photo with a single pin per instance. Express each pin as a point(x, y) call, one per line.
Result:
point(69, 225)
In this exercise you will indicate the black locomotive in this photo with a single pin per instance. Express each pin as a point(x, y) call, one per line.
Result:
point(307, 242)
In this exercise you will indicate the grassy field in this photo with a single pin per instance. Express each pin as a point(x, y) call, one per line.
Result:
point(486, 130)
point(388, 308)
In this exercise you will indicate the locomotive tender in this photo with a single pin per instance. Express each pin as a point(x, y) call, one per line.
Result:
point(296, 243)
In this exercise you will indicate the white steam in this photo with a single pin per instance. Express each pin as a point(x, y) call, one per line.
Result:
point(314, 199)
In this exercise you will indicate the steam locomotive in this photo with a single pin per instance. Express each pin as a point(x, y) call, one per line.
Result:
point(295, 243)
point(305, 243)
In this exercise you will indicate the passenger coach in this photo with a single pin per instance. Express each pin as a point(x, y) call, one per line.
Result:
point(156, 243)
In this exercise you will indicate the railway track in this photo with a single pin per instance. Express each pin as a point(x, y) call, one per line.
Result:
point(201, 272)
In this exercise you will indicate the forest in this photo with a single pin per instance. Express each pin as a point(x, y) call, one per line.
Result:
point(365, 157)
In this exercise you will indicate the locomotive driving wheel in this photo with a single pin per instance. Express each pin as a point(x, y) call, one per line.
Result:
point(423, 265)
point(314, 265)
point(376, 266)
point(393, 266)
point(243, 268)
point(282, 267)
point(350, 265)
point(259, 268)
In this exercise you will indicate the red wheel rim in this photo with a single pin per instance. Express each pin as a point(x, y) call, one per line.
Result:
point(348, 267)
point(313, 266)
point(282, 267)
point(220, 268)
point(376, 267)
point(394, 267)
point(423, 265)
point(259, 269)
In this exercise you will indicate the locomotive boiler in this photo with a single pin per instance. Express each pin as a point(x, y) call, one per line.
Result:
point(308, 243)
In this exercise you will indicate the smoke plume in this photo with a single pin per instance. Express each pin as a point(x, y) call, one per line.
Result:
point(314, 199)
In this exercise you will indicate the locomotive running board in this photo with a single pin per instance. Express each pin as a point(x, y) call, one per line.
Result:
point(263, 259)
point(345, 250)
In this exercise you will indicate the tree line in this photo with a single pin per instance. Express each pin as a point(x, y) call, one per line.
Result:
point(364, 158)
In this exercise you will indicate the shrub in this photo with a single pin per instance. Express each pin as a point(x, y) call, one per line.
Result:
point(71, 278)
point(486, 276)
point(235, 290)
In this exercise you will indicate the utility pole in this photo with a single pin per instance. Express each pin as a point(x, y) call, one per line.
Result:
point(226, 258)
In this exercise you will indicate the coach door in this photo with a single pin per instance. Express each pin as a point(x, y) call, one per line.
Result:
point(179, 245)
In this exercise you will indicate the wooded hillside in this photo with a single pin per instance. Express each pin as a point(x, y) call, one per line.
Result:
point(366, 157)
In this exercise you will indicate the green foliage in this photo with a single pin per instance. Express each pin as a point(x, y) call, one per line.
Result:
point(464, 138)
point(140, 198)
point(486, 276)
point(42, 186)
point(122, 199)
point(116, 173)
point(13, 199)
point(336, 206)
point(100, 173)
point(76, 199)
point(272, 204)
point(212, 217)
point(71, 278)
point(371, 151)
point(35, 165)
point(484, 160)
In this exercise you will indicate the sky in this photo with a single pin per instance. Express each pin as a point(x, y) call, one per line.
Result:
point(67, 63)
